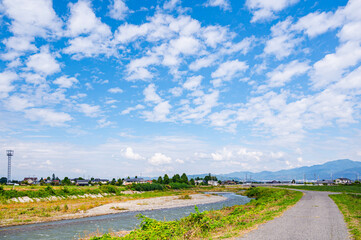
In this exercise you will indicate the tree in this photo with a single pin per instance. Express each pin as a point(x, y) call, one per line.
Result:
point(119, 182)
point(3, 180)
point(192, 182)
point(176, 178)
point(184, 178)
point(160, 180)
point(166, 179)
point(113, 182)
point(66, 181)
point(53, 178)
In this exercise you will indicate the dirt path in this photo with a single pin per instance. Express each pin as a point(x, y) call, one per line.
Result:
point(314, 217)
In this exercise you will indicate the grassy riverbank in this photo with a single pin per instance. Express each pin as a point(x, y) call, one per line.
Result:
point(350, 206)
point(354, 188)
point(228, 222)
point(16, 213)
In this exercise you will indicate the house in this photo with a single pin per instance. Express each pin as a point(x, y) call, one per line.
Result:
point(213, 183)
point(325, 182)
point(82, 182)
point(229, 182)
point(31, 180)
point(273, 182)
point(343, 181)
point(129, 181)
point(198, 182)
point(99, 180)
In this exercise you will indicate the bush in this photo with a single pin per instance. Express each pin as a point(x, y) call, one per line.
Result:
point(177, 185)
point(147, 187)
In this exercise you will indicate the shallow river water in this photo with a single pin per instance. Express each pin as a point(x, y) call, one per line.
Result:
point(75, 228)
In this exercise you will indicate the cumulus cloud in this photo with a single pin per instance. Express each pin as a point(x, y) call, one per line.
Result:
point(89, 110)
point(91, 37)
point(115, 90)
point(193, 83)
point(17, 103)
point(151, 95)
point(159, 159)
point(43, 62)
point(65, 81)
point(118, 10)
point(265, 9)
point(130, 154)
point(6, 79)
point(285, 72)
point(223, 4)
point(130, 109)
point(30, 18)
point(227, 71)
point(48, 116)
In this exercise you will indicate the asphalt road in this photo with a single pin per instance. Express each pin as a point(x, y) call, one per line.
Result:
point(314, 217)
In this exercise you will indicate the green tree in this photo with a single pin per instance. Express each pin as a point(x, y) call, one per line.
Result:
point(184, 178)
point(166, 179)
point(176, 178)
point(160, 180)
point(113, 181)
point(53, 177)
point(66, 181)
point(192, 182)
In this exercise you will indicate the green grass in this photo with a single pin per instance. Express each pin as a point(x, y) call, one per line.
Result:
point(355, 188)
point(350, 206)
point(228, 222)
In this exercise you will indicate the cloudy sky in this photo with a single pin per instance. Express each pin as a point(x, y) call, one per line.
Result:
point(117, 88)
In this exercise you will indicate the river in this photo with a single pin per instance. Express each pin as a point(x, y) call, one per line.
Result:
point(75, 228)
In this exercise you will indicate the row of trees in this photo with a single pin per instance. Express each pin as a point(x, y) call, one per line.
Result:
point(175, 179)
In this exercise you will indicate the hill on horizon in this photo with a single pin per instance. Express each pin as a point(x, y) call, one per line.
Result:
point(330, 170)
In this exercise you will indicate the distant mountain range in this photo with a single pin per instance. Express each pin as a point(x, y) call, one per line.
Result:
point(333, 169)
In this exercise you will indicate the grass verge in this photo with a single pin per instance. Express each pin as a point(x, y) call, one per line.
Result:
point(350, 206)
point(355, 188)
point(218, 224)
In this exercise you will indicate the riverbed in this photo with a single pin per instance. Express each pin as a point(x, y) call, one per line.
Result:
point(75, 228)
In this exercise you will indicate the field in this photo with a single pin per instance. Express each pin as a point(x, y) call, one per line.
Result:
point(355, 188)
point(350, 206)
point(228, 222)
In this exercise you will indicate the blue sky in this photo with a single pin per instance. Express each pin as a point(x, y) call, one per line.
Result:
point(117, 88)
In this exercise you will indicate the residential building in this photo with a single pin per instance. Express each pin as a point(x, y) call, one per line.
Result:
point(129, 181)
point(31, 180)
point(343, 181)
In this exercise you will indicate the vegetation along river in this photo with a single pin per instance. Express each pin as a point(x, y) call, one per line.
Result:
point(75, 228)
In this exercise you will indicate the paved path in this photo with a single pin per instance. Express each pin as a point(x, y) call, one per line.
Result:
point(314, 217)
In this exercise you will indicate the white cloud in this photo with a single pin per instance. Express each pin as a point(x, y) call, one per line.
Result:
point(43, 62)
point(159, 159)
point(89, 110)
point(130, 154)
point(48, 116)
point(118, 10)
point(283, 40)
point(264, 9)
point(285, 72)
point(129, 32)
point(214, 35)
point(334, 65)
point(6, 78)
point(115, 90)
point(229, 70)
point(223, 4)
point(150, 94)
point(203, 62)
point(91, 36)
point(159, 113)
point(104, 123)
point(130, 109)
point(318, 23)
point(176, 91)
point(65, 82)
point(30, 18)
point(193, 83)
point(16, 103)
point(171, 4)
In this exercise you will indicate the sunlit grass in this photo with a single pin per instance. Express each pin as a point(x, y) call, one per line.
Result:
point(350, 206)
